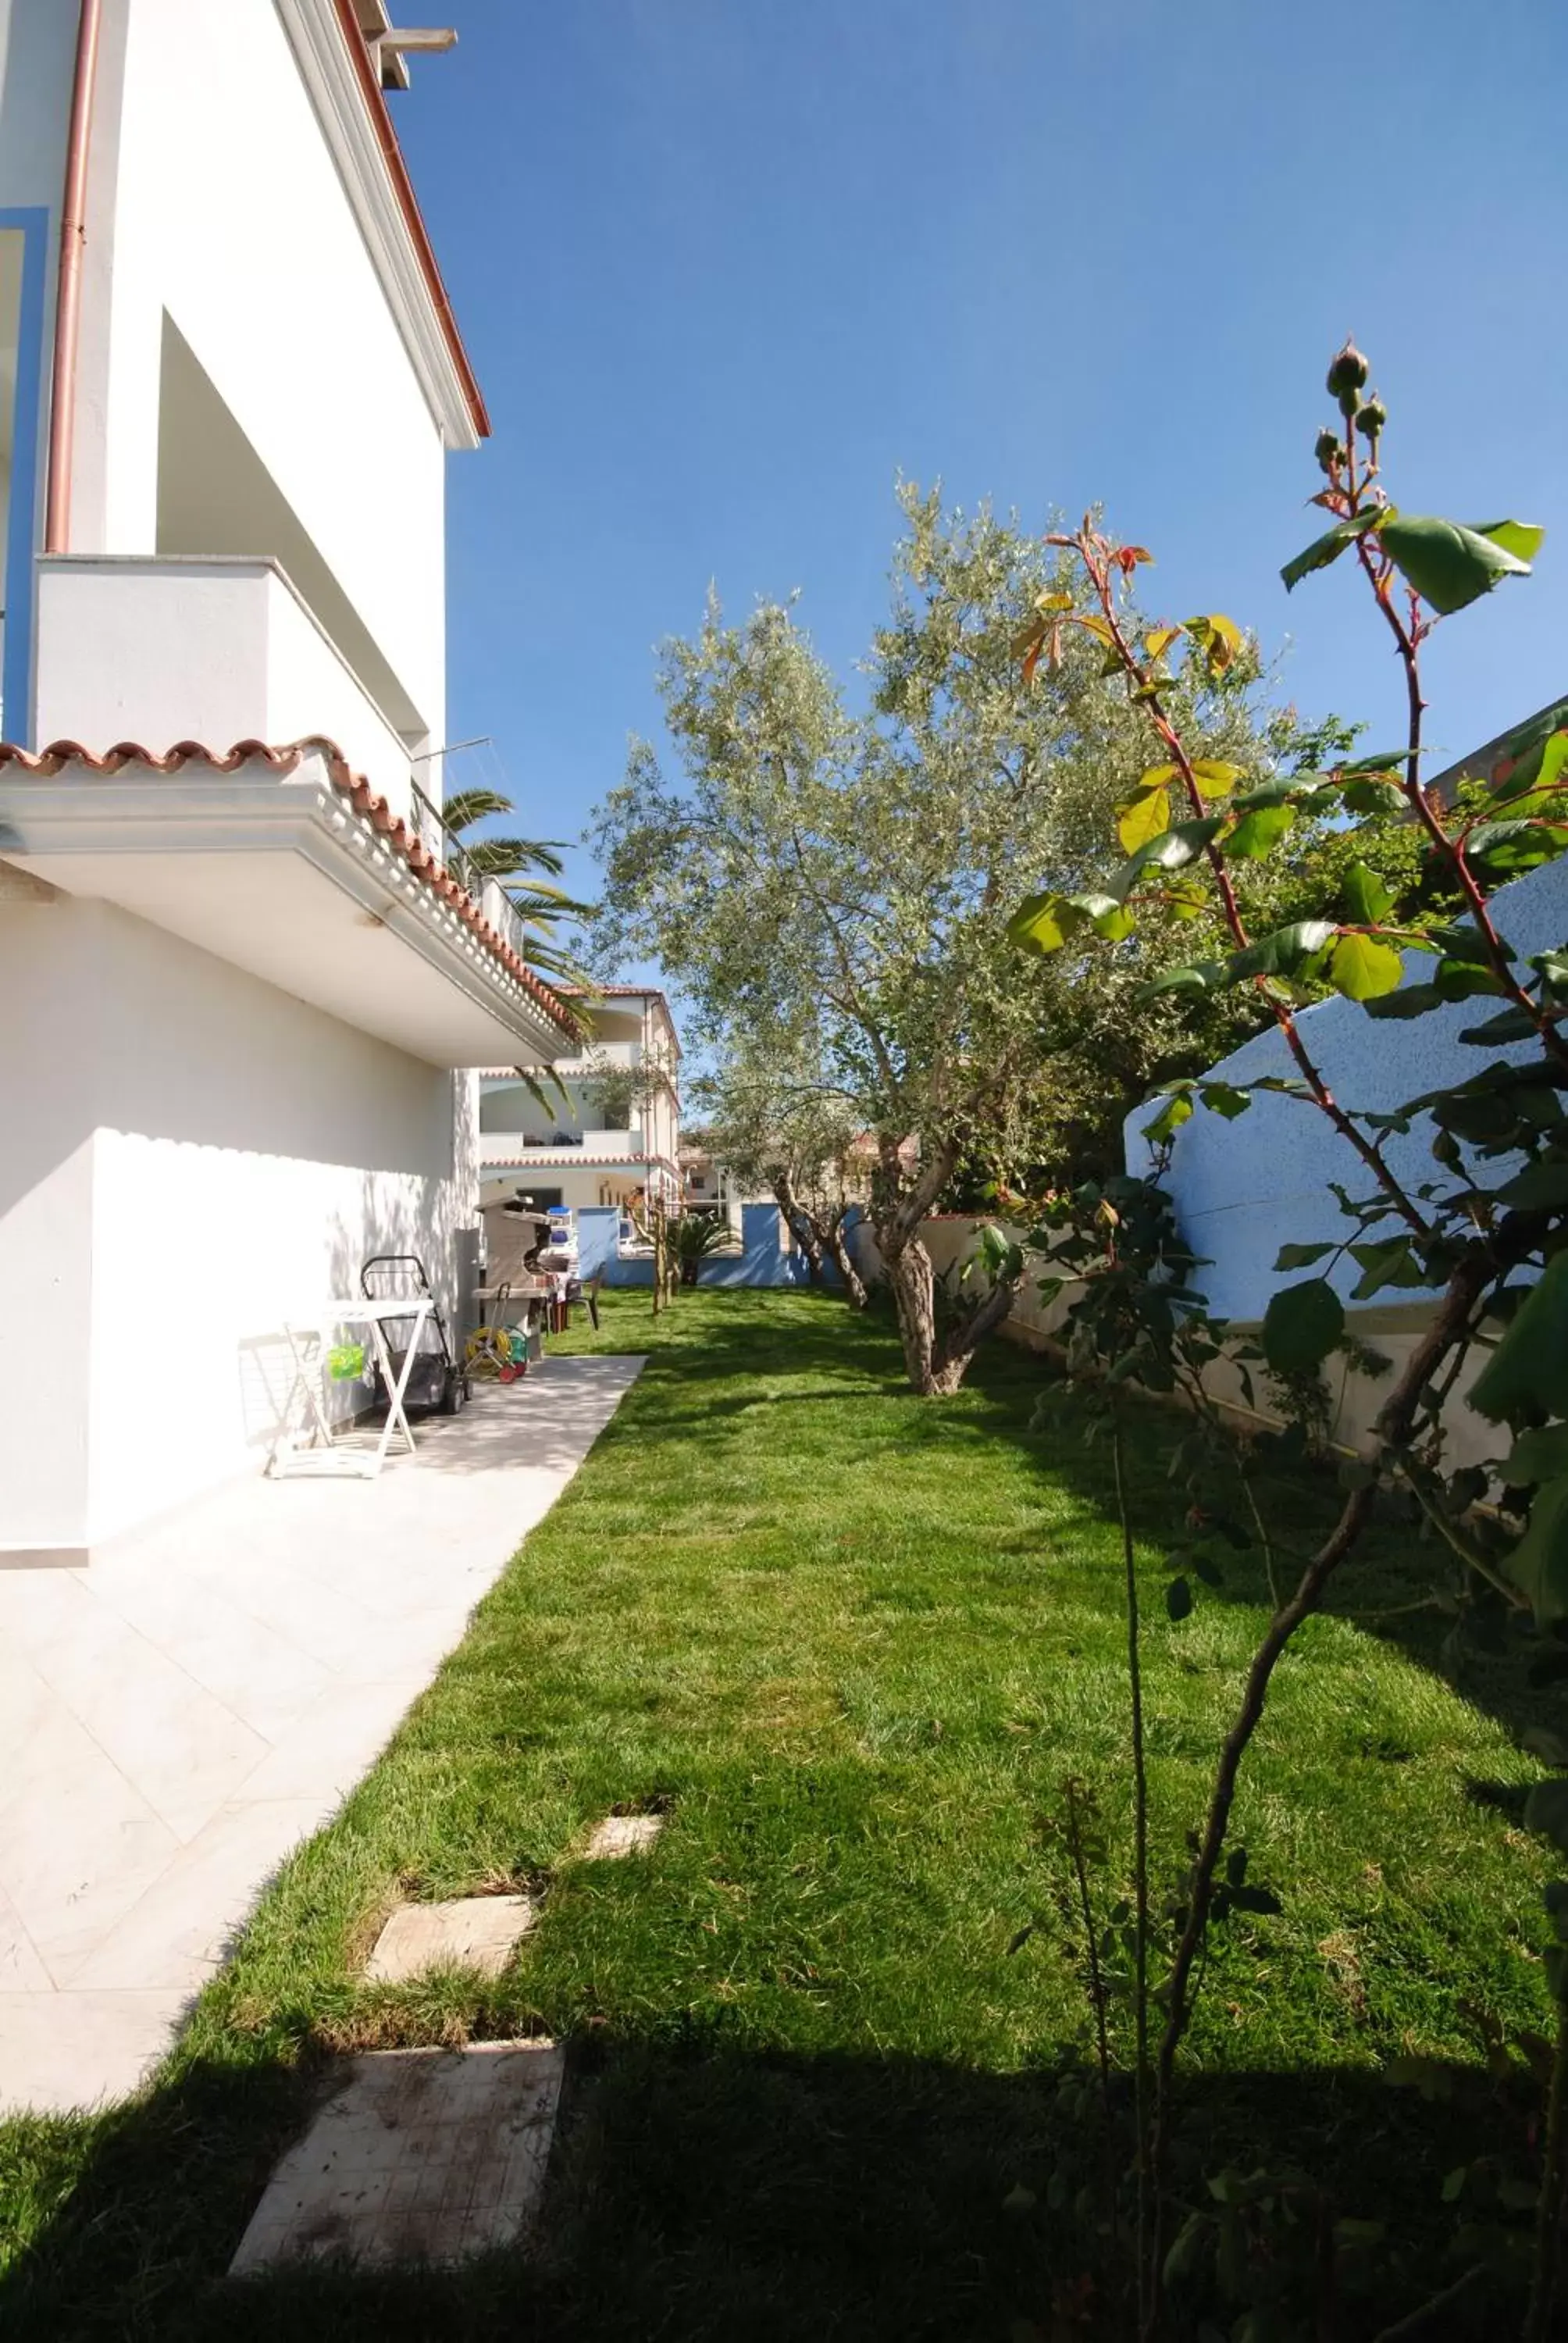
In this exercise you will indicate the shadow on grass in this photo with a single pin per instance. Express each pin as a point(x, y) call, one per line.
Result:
point(702, 2191)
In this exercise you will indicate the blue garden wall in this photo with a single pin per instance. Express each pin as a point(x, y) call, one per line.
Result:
point(761, 1261)
point(1242, 1189)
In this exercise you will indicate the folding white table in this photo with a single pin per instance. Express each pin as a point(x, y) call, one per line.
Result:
point(330, 1455)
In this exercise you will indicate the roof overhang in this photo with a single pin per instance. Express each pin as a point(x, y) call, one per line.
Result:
point(568, 1159)
point(345, 87)
point(282, 875)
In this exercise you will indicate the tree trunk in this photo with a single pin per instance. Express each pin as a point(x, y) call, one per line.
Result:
point(844, 1262)
point(909, 1273)
point(800, 1225)
point(953, 1361)
point(935, 1369)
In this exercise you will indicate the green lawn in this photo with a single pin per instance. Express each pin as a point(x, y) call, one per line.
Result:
point(853, 1641)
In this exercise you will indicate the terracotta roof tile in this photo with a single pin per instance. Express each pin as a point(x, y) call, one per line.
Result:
point(353, 786)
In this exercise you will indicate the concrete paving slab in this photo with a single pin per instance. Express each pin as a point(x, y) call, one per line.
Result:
point(419, 2155)
point(178, 1715)
point(620, 1835)
point(476, 1932)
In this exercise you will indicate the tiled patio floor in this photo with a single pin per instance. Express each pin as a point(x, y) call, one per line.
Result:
point(174, 1718)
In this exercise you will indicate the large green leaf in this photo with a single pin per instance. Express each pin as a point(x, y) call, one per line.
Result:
point(1216, 777)
point(1145, 817)
point(1370, 793)
point(1456, 980)
point(1411, 1000)
point(1460, 941)
point(1044, 923)
point(1203, 976)
point(1508, 1025)
point(1369, 900)
point(1526, 759)
point(1386, 762)
point(1301, 1325)
point(1388, 1261)
point(1538, 1564)
point(1161, 1128)
point(1035, 924)
point(1299, 791)
point(1300, 1256)
point(1259, 831)
point(1528, 1372)
point(1503, 847)
point(1282, 952)
point(1362, 968)
point(1538, 1455)
point(1517, 537)
point(1448, 564)
point(1541, 1187)
point(1171, 851)
point(1332, 543)
point(1553, 757)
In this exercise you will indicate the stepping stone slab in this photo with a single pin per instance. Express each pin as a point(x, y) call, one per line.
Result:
point(623, 1835)
point(478, 1932)
point(419, 2155)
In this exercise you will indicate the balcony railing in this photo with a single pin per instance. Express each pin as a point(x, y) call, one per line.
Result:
point(444, 843)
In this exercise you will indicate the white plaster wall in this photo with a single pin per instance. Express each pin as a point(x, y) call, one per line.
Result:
point(230, 216)
point(160, 651)
point(46, 1200)
point(201, 1157)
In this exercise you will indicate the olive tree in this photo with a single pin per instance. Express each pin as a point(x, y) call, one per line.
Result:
point(804, 863)
point(779, 1123)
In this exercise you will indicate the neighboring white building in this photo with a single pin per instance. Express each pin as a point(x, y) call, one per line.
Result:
point(244, 976)
point(707, 1185)
point(563, 1151)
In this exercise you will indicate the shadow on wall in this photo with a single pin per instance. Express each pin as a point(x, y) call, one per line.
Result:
point(398, 1214)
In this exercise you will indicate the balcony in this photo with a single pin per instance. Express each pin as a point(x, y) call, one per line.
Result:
point(218, 771)
point(196, 648)
point(510, 1147)
point(425, 820)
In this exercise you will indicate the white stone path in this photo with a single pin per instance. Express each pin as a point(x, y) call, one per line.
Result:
point(174, 1718)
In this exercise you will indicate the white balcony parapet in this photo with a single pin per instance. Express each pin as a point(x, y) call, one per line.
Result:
point(167, 648)
point(591, 1146)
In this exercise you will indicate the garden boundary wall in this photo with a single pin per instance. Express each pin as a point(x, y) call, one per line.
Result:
point(766, 1256)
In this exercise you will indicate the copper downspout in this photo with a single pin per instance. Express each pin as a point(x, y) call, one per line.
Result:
point(68, 299)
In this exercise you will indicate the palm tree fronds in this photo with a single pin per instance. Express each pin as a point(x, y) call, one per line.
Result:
point(466, 806)
point(500, 857)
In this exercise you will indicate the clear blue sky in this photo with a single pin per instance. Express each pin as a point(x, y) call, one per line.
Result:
point(727, 267)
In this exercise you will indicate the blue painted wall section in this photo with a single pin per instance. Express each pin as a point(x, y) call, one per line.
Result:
point(761, 1261)
point(19, 580)
point(1242, 1189)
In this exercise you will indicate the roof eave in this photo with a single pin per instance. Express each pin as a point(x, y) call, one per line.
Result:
point(335, 64)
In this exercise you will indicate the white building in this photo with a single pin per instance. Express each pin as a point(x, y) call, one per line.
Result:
point(709, 1185)
point(244, 977)
point(580, 1144)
